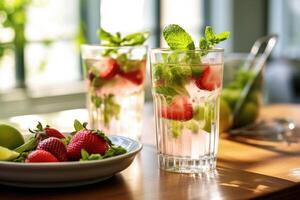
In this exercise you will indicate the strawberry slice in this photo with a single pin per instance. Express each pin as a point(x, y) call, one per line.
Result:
point(208, 79)
point(179, 109)
point(109, 68)
point(136, 77)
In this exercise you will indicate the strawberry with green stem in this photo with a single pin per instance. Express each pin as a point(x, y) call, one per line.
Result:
point(91, 142)
point(47, 131)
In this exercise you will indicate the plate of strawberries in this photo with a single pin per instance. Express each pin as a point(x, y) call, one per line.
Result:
point(49, 158)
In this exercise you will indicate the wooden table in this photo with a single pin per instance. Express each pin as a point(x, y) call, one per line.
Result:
point(245, 170)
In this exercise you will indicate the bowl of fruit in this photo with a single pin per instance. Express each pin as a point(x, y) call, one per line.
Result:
point(48, 158)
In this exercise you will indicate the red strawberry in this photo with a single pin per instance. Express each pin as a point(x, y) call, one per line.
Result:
point(136, 77)
point(46, 132)
point(40, 156)
point(179, 109)
point(51, 132)
point(208, 80)
point(109, 68)
point(87, 140)
point(55, 147)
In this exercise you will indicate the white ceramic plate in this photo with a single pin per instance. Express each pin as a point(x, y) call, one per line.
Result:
point(66, 174)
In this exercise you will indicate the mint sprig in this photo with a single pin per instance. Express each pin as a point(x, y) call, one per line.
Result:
point(109, 107)
point(116, 40)
point(211, 39)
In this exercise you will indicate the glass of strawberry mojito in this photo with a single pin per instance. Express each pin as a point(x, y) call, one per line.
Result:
point(115, 88)
point(186, 88)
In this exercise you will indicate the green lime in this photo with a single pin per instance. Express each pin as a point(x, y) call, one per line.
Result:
point(231, 96)
point(10, 137)
point(226, 117)
point(247, 115)
point(7, 154)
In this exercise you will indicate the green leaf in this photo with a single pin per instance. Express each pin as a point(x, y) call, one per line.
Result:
point(97, 101)
point(84, 154)
point(209, 33)
point(177, 38)
point(39, 126)
point(114, 151)
point(104, 35)
point(223, 36)
point(211, 39)
point(135, 39)
point(86, 157)
point(67, 139)
point(77, 125)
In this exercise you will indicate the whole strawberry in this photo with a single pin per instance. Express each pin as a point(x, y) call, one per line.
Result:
point(46, 132)
point(90, 140)
point(55, 147)
point(40, 156)
point(52, 132)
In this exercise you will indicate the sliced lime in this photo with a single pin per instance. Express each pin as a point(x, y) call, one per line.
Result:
point(7, 154)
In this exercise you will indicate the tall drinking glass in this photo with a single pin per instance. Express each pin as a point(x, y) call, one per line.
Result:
point(186, 88)
point(115, 88)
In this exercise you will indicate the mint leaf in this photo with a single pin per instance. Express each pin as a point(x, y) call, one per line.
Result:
point(77, 125)
point(104, 35)
point(178, 38)
point(116, 40)
point(209, 33)
point(223, 36)
point(85, 156)
point(211, 39)
point(114, 151)
point(109, 107)
point(135, 39)
point(109, 39)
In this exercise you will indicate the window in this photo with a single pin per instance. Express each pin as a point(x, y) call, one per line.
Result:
point(187, 14)
point(127, 16)
point(49, 54)
point(284, 20)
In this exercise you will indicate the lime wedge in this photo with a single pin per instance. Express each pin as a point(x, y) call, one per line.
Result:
point(7, 154)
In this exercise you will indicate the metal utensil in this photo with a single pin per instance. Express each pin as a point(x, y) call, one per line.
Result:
point(279, 129)
point(255, 61)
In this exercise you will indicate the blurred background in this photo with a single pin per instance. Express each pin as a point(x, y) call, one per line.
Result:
point(40, 66)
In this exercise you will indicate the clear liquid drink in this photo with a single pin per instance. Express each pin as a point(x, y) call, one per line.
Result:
point(115, 88)
point(186, 87)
